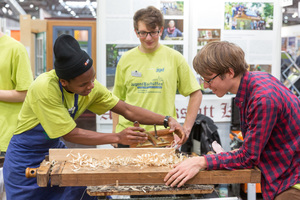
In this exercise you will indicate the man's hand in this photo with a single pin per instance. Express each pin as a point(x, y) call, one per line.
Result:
point(184, 171)
point(132, 135)
point(175, 126)
point(187, 132)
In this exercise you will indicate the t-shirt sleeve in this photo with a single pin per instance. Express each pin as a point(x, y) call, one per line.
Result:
point(21, 74)
point(104, 100)
point(51, 113)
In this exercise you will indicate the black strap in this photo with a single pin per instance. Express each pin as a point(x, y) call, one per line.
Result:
point(72, 111)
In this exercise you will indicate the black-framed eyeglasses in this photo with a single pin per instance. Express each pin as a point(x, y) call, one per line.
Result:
point(209, 81)
point(144, 34)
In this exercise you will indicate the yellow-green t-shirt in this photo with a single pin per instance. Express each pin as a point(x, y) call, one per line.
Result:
point(297, 186)
point(43, 105)
point(15, 74)
point(151, 80)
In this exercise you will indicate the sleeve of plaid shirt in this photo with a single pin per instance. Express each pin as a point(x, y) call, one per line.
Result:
point(261, 116)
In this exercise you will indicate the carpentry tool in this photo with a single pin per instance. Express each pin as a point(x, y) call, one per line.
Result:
point(159, 138)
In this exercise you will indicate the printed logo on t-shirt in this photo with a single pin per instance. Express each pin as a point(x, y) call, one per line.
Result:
point(153, 86)
point(160, 70)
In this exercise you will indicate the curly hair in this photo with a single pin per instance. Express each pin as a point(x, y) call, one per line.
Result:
point(151, 16)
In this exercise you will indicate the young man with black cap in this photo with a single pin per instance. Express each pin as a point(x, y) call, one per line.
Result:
point(54, 101)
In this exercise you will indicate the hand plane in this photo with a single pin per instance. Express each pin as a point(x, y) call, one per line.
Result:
point(159, 138)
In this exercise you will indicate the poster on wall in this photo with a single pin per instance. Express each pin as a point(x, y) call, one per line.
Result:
point(260, 67)
point(113, 55)
point(173, 29)
point(171, 7)
point(208, 35)
point(248, 16)
point(284, 43)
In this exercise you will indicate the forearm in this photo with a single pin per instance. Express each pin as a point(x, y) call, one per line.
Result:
point(192, 111)
point(87, 137)
point(12, 96)
point(134, 113)
point(115, 118)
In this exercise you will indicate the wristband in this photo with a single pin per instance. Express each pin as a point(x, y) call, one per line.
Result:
point(166, 121)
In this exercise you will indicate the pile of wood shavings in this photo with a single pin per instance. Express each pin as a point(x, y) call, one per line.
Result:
point(147, 188)
point(149, 159)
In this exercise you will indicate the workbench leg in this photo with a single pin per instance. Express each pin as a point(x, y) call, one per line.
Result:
point(251, 191)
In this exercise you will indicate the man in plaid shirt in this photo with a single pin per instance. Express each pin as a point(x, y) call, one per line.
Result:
point(270, 123)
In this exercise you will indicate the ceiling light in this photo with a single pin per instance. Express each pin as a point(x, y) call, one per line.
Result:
point(6, 5)
point(298, 9)
point(21, 0)
point(4, 10)
point(9, 12)
point(31, 5)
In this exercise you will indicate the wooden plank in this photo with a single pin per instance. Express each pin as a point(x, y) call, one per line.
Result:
point(61, 154)
point(148, 190)
point(226, 177)
point(127, 175)
point(43, 173)
point(115, 175)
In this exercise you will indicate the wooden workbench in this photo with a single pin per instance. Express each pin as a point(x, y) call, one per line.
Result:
point(145, 178)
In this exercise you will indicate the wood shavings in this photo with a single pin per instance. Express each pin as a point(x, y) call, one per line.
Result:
point(147, 188)
point(86, 162)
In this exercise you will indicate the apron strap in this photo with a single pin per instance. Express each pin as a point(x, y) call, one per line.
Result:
point(72, 111)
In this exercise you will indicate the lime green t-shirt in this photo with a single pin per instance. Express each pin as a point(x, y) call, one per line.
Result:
point(297, 186)
point(43, 105)
point(151, 80)
point(15, 74)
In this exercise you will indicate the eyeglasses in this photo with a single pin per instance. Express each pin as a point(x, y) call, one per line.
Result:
point(209, 81)
point(144, 34)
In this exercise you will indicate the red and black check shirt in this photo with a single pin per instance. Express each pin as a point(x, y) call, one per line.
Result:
point(270, 124)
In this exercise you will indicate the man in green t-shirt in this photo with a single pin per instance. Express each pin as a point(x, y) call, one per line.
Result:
point(54, 100)
point(15, 79)
point(150, 75)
